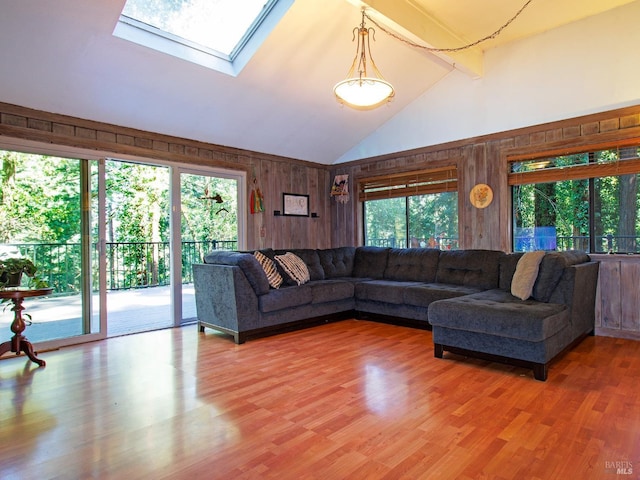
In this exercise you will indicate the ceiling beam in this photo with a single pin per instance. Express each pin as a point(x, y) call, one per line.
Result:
point(409, 20)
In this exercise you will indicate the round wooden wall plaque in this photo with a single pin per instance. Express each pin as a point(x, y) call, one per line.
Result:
point(481, 195)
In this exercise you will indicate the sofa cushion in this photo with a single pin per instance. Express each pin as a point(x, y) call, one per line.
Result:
point(337, 262)
point(526, 274)
point(423, 295)
point(294, 266)
point(477, 268)
point(508, 263)
point(270, 269)
point(387, 291)
point(551, 269)
point(312, 261)
point(284, 298)
point(330, 290)
point(496, 312)
point(412, 264)
point(370, 262)
point(247, 263)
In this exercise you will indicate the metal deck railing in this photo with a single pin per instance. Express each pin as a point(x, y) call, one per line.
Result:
point(129, 264)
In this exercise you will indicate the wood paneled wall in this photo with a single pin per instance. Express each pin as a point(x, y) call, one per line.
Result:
point(481, 160)
point(478, 160)
point(276, 178)
point(618, 297)
point(275, 174)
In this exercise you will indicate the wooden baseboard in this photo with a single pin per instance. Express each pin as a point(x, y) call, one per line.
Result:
point(616, 333)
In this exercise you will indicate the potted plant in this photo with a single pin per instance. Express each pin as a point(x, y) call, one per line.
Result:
point(12, 269)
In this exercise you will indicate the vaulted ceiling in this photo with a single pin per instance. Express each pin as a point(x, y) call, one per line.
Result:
point(62, 57)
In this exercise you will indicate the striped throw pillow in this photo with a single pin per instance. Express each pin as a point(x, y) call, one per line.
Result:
point(294, 266)
point(270, 270)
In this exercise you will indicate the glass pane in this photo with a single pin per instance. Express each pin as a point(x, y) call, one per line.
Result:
point(219, 25)
point(386, 223)
point(209, 221)
point(433, 221)
point(551, 216)
point(40, 219)
point(549, 163)
point(617, 220)
point(137, 248)
point(209, 214)
point(578, 159)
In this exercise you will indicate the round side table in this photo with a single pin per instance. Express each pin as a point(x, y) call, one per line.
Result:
point(18, 342)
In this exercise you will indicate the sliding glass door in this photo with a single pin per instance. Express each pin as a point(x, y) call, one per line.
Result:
point(159, 220)
point(115, 240)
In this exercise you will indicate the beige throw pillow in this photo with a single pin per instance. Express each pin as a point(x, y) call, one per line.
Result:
point(294, 266)
point(525, 275)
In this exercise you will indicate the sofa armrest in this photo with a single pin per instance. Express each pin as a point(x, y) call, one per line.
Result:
point(577, 289)
point(583, 305)
point(224, 297)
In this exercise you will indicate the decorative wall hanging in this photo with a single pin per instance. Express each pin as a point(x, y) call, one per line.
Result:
point(215, 198)
point(256, 200)
point(481, 195)
point(340, 188)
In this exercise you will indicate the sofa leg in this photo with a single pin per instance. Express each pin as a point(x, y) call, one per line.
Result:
point(540, 372)
point(438, 350)
point(201, 328)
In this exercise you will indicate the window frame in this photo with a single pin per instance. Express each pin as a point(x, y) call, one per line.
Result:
point(149, 36)
point(589, 172)
point(442, 179)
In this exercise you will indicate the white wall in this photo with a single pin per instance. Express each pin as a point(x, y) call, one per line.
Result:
point(586, 67)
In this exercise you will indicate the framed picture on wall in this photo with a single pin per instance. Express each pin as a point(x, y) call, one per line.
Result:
point(295, 205)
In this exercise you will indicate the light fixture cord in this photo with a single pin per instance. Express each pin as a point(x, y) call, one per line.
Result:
point(455, 49)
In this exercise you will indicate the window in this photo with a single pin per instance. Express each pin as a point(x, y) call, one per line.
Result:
point(417, 209)
point(220, 34)
point(578, 201)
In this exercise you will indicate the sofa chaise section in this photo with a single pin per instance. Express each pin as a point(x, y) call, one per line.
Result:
point(498, 326)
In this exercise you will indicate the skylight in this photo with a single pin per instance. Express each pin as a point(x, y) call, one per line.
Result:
point(208, 32)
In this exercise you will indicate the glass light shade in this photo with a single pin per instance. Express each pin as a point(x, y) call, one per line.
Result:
point(363, 93)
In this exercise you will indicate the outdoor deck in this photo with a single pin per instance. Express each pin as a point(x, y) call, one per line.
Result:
point(129, 311)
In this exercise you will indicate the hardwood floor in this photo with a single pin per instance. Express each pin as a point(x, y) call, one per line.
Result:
point(353, 399)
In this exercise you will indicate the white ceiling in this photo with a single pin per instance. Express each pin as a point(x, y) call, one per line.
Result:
point(62, 57)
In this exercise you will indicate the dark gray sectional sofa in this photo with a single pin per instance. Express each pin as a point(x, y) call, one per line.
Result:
point(463, 295)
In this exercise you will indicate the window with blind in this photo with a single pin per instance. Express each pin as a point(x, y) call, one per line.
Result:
point(578, 200)
point(416, 209)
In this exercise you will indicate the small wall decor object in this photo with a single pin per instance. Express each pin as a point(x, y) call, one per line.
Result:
point(295, 205)
point(340, 188)
point(481, 195)
point(256, 199)
point(215, 198)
